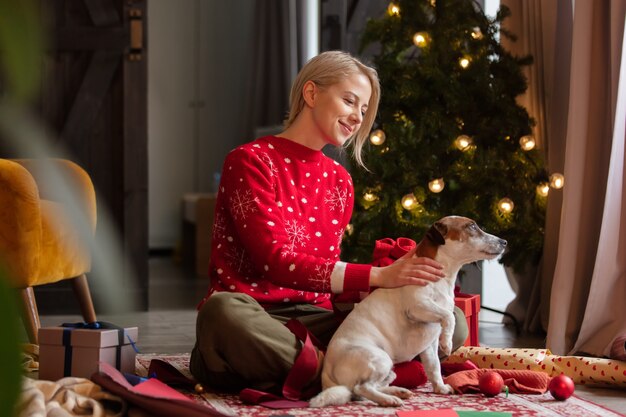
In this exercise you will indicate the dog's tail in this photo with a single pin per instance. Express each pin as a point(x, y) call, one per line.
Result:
point(337, 395)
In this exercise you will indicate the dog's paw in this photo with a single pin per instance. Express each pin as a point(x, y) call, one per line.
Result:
point(443, 389)
point(390, 401)
point(398, 392)
point(403, 393)
point(316, 402)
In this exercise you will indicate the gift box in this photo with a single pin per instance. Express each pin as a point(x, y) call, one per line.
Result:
point(470, 304)
point(197, 224)
point(70, 351)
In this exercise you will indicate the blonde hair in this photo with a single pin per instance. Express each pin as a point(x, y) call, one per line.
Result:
point(329, 68)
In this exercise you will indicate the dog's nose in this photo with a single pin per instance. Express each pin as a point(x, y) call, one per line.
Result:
point(503, 242)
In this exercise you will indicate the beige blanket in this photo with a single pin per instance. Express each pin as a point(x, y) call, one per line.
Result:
point(67, 397)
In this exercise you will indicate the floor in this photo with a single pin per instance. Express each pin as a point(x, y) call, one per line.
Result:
point(169, 325)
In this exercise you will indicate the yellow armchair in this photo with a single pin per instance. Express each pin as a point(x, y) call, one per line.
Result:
point(39, 241)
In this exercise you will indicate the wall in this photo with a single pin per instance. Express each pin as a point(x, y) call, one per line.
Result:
point(198, 74)
point(496, 292)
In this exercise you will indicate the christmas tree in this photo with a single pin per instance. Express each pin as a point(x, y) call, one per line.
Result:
point(450, 137)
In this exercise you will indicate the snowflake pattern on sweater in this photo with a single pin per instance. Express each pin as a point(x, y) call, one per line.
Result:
point(280, 215)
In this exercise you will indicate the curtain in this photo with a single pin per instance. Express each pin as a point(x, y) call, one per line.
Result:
point(280, 49)
point(268, 100)
point(540, 26)
point(587, 310)
point(608, 283)
point(577, 293)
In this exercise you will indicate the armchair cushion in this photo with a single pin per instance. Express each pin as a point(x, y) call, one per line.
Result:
point(39, 241)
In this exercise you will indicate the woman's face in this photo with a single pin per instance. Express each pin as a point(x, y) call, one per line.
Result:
point(338, 109)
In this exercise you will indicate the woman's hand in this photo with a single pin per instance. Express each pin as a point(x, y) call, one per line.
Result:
point(407, 270)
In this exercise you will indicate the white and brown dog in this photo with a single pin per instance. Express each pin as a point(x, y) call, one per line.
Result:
point(395, 325)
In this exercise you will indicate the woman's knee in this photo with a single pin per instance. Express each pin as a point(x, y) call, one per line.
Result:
point(218, 320)
point(460, 329)
point(223, 307)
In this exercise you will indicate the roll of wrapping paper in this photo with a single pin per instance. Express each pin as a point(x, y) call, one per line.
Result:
point(582, 370)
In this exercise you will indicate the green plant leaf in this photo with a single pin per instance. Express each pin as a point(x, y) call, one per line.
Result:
point(20, 47)
point(10, 370)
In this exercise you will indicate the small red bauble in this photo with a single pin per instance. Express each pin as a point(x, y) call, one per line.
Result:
point(490, 383)
point(561, 387)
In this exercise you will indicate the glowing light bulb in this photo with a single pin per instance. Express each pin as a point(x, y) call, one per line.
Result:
point(464, 62)
point(421, 39)
point(506, 205)
point(463, 142)
point(377, 137)
point(369, 196)
point(393, 9)
point(349, 228)
point(436, 185)
point(543, 189)
point(527, 142)
point(557, 181)
point(409, 201)
point(476, 33)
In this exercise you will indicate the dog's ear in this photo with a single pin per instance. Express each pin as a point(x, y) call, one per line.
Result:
point(436, 233)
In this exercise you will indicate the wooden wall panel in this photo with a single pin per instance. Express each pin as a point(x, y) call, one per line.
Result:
point(94, 99)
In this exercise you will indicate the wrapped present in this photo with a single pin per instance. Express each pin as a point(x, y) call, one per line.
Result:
point(582, 370)
point(76, 349)
point(470, 305)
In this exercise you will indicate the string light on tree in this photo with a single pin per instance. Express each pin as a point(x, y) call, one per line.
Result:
point(506, 205)
point(377, 137)
point(465, 61)
point(476, 33)
point(421, 39)
point(436, 185)
point(543, 189)
point(409, 201)
point(557, 181)
point(349, 228)
point(369, 196)
point(463, 142)
point(527, 142)
point(393, 9)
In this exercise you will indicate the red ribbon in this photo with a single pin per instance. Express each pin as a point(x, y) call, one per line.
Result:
point(387, 251)
point(302, 373)
point(305, 366)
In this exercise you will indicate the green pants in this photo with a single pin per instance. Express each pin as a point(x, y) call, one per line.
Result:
point(241, 345)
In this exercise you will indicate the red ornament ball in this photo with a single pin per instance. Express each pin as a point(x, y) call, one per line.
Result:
point(561, 387)
point(490, 383)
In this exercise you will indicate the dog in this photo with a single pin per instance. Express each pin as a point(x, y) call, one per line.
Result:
point(395, 325)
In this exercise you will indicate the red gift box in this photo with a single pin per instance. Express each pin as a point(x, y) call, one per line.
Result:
point(470, 304)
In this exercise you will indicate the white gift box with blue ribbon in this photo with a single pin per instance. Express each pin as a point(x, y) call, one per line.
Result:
point(75, 349)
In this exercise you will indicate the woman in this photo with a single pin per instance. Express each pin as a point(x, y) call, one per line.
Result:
point(281, 212)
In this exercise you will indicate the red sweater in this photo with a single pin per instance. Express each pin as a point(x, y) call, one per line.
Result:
point(280, 215)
